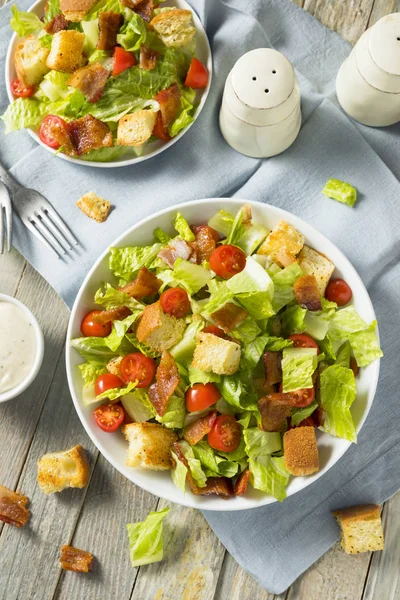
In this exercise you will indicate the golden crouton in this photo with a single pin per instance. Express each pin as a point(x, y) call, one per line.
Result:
point(66, 51)
point(94, 207)
point(282, 244)
point(136, 129)
point(216, 354)
point(30, 61)
point(113, 366)
point(361, 528)
point(75, 10)
point(301, 451)
point(149, 445)
point(175, 27)
point(315, 263)
point(158, 330)
point(60, 470)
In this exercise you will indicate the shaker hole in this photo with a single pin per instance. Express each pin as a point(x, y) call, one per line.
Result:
point(254, 78)
point(274, 72)
point(266, 91)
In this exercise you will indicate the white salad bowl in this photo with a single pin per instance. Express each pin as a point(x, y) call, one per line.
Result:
point(203, 53)
point(114, 446)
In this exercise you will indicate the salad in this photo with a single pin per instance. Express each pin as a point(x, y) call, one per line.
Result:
point(219, 348)
point(98, 80)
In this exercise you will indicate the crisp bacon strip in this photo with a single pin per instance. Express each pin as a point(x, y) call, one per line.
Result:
point(205, 243)
point(148, 58)
point(145, 284)
point(273, 370)
point(274, 410)
point(242, 482)
point(88, 133)
point(90, 80)
point(176, 249)
point(109, 25)
point(13, 507)
point(307, 293)
point(72, 559)
point(167, 380)
point(229, 316)
point(113, 314)
point(59, 23)
point(170, 104)
point(144, 9)
point(195, 432)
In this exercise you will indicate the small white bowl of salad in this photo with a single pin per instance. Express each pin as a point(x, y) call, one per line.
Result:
point(212, 343)
point(109, 86)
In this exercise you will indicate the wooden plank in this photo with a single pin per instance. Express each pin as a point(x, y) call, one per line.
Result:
point(111, 502)
point(11, 269)
point(236, 584)
point(192, 560)
point(382, 8)
point(348, 17)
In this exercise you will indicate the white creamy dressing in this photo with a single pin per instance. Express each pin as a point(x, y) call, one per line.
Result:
point(17, 346)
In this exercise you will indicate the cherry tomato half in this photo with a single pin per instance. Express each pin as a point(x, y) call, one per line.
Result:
point(107, 381)
point(175, 302)
point(227, 261)
point(122, 60)
point(137, 367)
point(159, 130)
point(197, 75)
point(109, 417)
point(338, 291)
point(91, 329)
point(52, 131)
point(20, 91)
point(302, 340)
point(302, 398)
point(214, 330)
point(225, 434)
point(201, 395)
point(199, 228)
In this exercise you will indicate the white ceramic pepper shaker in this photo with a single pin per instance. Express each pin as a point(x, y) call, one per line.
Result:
point(368, 82)
point(260, 114)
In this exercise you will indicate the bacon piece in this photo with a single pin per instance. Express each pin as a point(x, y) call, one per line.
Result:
point(148, 58)
point(59, 23)
point(272, 365)
point(113, 314)
point(170, 104)
point(195, 432)
point(307, 292)
point(205, 243)
point(145, 284)
point(13, 507)
point(176, 249)
point(88, 133)
point(167, 380)
point(90, 80)
point(144, 9)
point(274, 410)
point(109, 25)
point(73, 559)
point(229, 316)
point(354, 366)
point(242, 482)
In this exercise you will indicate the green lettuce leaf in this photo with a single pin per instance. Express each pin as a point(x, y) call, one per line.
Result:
point(257, 304)
point(93, 349)
point(119, 329)
point(206, 455)
point(110, 297)
point(182, 227)
point(275, 344)
point(252, 238)
point(253, 278)
point(292, 320)
point(194, 464)
point(199, 376)
point(299, 414)
point(186, 114)
point(175, 413)
point(184, 349)
point(91, 370)
point(23, 113)
point(54, 86)
point(298, 366)
point(326, 347)
point(261, 443)
point(138, 405)
point(146, 350)
point(237, 229)
point(222, 222)
point(178, 473)
point(236, 393)
point(145, 539)
point(343, 355)
point(220, 295)
point(268, 475)
point(338, 392)
point(190, 276)
point(24, 23)
point(126, 262)
point(246, 331)
point(52, 9)
point(346, 324)
point(104, 6)
point(283, 286)
point(114, 393)
point(341, 191)
point(161, 236)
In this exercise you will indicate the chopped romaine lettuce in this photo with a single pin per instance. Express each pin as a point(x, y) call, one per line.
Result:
point(257, 304)
point(190, 276)
point(115, 393)
point(292, 320)
point(186, 114)
point(146, 350)
point(145, 539)
point(283, 286)
point(326, 347)
point(93, 348)
point(252, 238)
point(299, 414)
point(138, 406)
point(343, 355)
point(161, 236)
point(183, 350)
point(221, 222)
point(268, 475)
point(238, 229)
point(275, 344)
point(52, 9)
point(338, 392)
point(316, 325)
point(91, 370)
point(298, 366)
point(110, 297)
point(119, 329)
point(199, 376)
point(24, 113)
point(54, 86)
point(346, 324)
point(178, 473)
point(341, 191)
point(194, 464)
point(24, 23)
point(246, 331)
point(182, 227)
point(235, 393)
point(91, 31)
point(261, 443)
point(125, 262)
point(253, 278)
point(174, 416)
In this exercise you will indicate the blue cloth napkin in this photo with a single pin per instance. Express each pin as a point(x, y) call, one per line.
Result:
point(278, 542)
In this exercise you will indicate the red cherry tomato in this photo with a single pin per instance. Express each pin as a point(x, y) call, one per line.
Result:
point(214, 330)
point(175, 302)
point(109, 417)
point(159, 130)
point(137, 367)
point(302, 398)
point(122, 60)
point(52, 129)
point(197, 75)
point(225, 434)
point(201, 395)
point(20, 91)
point(227, 261)
point(107, 381)
point(338, 291)
point(91, 329)
point(198, 228)
point(302, 340)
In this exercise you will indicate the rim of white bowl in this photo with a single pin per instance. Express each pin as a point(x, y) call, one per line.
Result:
point(129, 161)
point(25, 383)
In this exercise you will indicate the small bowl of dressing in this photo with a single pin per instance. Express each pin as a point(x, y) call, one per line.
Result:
point(21, 347)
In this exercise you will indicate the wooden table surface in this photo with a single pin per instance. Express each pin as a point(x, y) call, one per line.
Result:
point(196, 566)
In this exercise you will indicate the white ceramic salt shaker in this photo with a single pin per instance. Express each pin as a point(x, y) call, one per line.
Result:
point(368, 82)
point(260, 114)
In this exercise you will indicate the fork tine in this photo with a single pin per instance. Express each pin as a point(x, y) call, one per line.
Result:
point(9, 225)
point(49, 235)
point(56, 232)
point(1, 230)
point(54, 216)
point(31, 225)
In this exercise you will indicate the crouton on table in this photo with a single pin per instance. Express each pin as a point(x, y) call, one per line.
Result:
point(94, 207)
point(283, 240)
point(60, 470)
point(158, 330)
point(361, 528)
point(136, 129)
point(315, 263)
point(66, 51)
point(30, 61)
point(175, 27)
point(149, 445)
point(301, 451)
point(216, 354)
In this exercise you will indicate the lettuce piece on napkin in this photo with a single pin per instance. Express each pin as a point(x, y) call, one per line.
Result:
point(145, 539)
point(24, 23)
point(338, 392)
point(298, 366)
point(340, 191)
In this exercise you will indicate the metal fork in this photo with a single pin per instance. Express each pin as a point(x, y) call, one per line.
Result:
point(39, 217)
point(5, 215)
